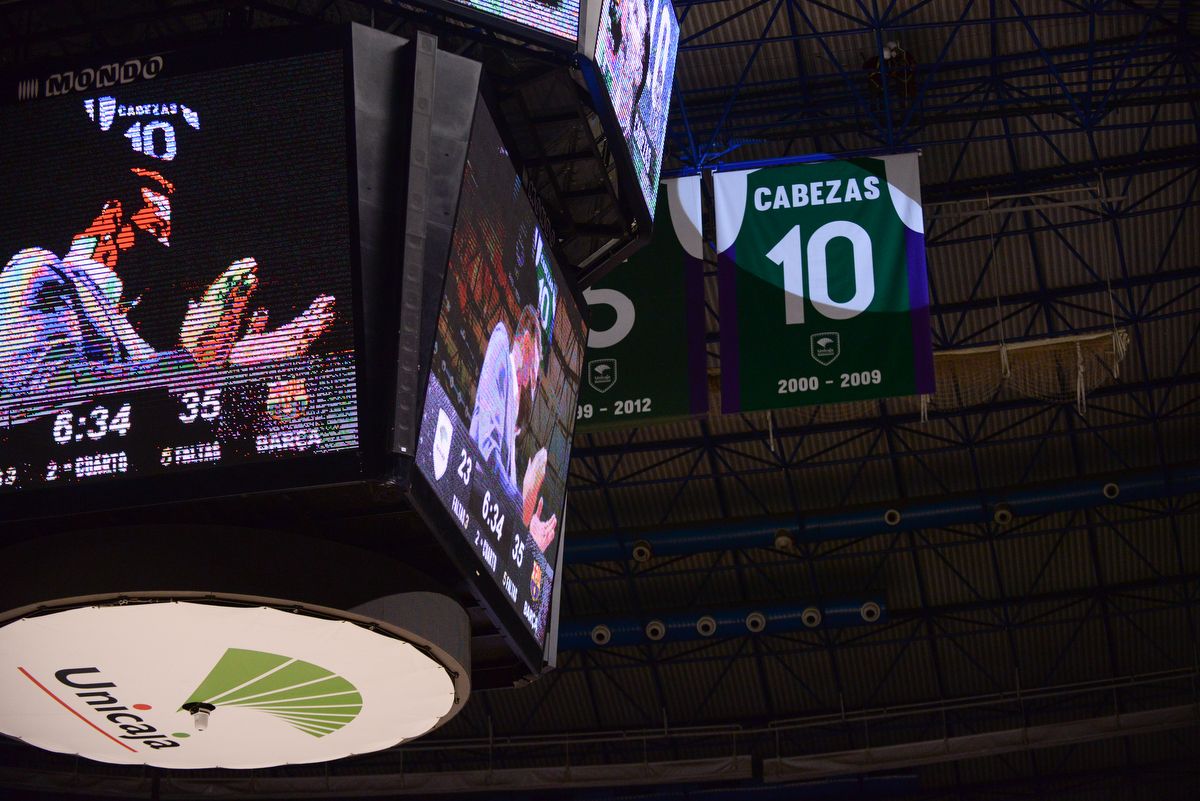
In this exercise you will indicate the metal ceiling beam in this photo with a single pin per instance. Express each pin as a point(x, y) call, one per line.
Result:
point(904, 723)
point(855, 564)
point(955, 623)
point(867, 27)
point(975, 746)
point(833, 101)
point(934, 443)
point(1079, 173)
point(755, 435)
point(679, 627)
point(958, 511)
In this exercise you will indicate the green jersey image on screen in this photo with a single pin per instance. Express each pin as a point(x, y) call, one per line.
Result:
point(823, 290)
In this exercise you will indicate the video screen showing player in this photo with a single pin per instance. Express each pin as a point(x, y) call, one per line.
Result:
point(635, 54)
point(176, 287)
point(503, 381)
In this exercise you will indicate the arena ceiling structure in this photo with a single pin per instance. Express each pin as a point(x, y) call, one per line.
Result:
point(1006, 573)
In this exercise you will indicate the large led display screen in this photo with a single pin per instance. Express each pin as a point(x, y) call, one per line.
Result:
point(559, 19)
point(176, 290)
point(496, 426)
point(634, 55)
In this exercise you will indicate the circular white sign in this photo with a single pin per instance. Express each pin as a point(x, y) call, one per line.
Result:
point(110, 683)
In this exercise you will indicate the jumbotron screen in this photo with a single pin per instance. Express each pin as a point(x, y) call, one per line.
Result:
point(499, 410)
point(558, 18)
point(176, 292)
point(635, 56)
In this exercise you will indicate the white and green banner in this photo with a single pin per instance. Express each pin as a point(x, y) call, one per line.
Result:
point(189, 685)
point(645, 357)
point(823, 290)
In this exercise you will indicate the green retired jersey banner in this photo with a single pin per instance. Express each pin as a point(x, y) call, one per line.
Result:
point(823, 292)
point(645, 357)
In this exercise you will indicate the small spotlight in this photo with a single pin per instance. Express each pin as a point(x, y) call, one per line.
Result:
point(1002, 514)
point(784, 540)
point(656, 630)
point(892, 517)
point(756, 622)
point(869, 612)
point(642, 551)
point(200, 712)
point(706, 626)
point(811, 617)
point(601, 634)
point(1112, 490)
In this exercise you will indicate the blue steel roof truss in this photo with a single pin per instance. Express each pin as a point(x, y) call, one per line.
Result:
point(1080, 610)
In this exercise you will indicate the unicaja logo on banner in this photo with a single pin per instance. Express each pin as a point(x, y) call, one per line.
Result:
point(826, 347)
point(602, 374)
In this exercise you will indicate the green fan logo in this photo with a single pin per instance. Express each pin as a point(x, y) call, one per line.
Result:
point(312, 699)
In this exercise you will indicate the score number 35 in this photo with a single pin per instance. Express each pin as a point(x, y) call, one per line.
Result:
point(203, 405)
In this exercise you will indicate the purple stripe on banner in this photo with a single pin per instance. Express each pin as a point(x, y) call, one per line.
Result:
point(918, 299)
point(693, 292)
point(731, 386)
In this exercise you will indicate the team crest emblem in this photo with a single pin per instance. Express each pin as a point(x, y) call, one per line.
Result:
point(441, 445)
point(826, 347)
point(535, 583)
point(287, 400)
point(602, 374)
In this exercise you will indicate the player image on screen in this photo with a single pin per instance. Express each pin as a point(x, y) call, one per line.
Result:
point(499, 410)
point(67, 322)
point(504, 399)
point(176, 289)
point(635, 54)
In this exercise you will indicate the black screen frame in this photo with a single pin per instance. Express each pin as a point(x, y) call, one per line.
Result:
point(536, 658)
point(508, 26)
point(369, 459)
point(638, 207)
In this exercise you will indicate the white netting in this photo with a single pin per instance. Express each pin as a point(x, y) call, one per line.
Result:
point(1058, 369)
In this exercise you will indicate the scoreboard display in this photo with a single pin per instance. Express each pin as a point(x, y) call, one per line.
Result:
point(495, 435)
point(555, 20)
point(631, 46)
point(208, 287)
point(177, 291)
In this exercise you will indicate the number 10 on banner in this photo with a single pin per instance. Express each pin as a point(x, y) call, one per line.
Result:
point(853, 320)
point(789, 254)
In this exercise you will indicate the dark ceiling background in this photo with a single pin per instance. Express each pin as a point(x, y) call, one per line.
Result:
point(1052, 654)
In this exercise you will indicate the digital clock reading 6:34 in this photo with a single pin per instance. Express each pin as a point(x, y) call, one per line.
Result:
point(93, 425)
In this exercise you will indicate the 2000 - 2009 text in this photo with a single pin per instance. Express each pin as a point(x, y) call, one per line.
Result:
point(811, 383)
